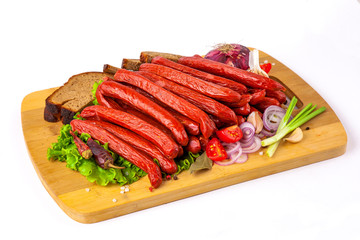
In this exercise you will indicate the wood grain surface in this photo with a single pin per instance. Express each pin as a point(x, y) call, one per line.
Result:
point(325, 139)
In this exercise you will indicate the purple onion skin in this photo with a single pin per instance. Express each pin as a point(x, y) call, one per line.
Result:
point(216, 55)
point(235, 55)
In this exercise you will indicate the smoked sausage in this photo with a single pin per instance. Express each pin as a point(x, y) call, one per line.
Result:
point(207, 88)
point(249, 79)
point(166, 164)
point(194, 145)
point(122, 148)
point(166, 144)
point(209, 105)
point(237, 87)
point(131, 97)
point(177, 103)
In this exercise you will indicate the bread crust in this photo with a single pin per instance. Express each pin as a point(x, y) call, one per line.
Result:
point(56, 111)
point(131, 64)
point(146, 57)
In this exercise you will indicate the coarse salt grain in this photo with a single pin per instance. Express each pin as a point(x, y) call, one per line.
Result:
point(273, 64)
point(122, 188)
point(114, 200)
point(126, 189)
point(122, 191)
point(87, 189)
point(261, 153)
point(266, 61)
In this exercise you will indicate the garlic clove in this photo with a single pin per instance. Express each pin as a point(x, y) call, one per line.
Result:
point(255, 119)
point(296, 136)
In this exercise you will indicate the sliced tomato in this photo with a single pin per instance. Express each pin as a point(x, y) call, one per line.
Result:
point(230, 134)
point(266, 67)
point(215, 151)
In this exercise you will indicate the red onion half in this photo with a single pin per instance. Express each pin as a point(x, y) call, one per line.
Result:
point(235, 55)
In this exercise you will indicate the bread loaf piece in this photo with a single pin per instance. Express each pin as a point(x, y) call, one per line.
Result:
point(72, 97)
point(146, 57)
point(131, 64)
point(110, 69)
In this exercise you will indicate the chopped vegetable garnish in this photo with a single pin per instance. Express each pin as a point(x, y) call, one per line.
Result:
point(284, 127)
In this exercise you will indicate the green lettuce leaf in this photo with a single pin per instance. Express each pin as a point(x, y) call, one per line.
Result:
point(93, 91)
point(65, 150)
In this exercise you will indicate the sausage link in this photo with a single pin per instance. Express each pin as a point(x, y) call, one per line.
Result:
point(148, 119)
point(241, 119)
point(249, 79)
point(203, 142)
point(194, 145)
point(168, 98)
point(166, 164)
point(279, 95)
point(190, 125)
point(119, 105)
point(244, 110)
point(166, 144)
point(131, 97)
point(181, 152)
point(122, 148)
point(256, 95)
point(237, 87)
point(245, 98)
point(209, 105)
point(207, 88)
point(105, 101)
point(133, 111)
point(219, 124)
point(266, 102)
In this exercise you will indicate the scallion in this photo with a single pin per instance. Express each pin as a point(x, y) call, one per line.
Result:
point(284, 128)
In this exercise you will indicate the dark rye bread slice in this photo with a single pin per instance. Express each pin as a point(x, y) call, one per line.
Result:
point(146, 57)
point(131, 64)
point(72, 97)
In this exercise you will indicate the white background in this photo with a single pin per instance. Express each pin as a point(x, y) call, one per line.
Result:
point(43, 43)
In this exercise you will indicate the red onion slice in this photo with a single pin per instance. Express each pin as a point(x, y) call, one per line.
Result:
point(248, 130)
point(231, 147)
point(247, 143)
point(243, 158)
point(254, 147)
point(236, 155)
point(267, 133)
point(272, 117)
point(225, 162)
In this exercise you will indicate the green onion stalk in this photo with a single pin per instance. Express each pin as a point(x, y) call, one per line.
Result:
point(284, 127)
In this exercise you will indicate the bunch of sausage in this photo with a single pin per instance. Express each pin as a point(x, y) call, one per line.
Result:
point(166, 107)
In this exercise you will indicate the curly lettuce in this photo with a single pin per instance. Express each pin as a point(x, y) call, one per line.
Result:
point(65, 150)
point(93, 91)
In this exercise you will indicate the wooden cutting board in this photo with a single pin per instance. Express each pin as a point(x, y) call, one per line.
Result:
point(325, 139)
